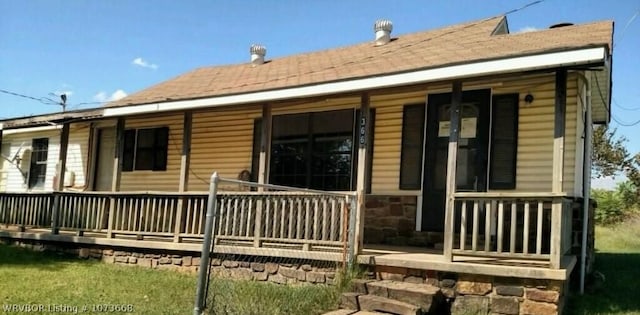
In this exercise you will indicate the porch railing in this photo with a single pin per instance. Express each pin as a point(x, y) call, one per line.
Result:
point(516, 226)
point(295, 219)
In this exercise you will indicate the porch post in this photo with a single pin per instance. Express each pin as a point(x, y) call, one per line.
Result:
point(185, 161)
point(560, 110)
point(263, 168)
point(452, 155)
point(265, 145)
point(361, 175)
point(60, 170)
point(117, 169)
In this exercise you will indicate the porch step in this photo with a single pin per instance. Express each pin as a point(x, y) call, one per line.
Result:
point(382, 304)
point(425, 296)
point(390, 297)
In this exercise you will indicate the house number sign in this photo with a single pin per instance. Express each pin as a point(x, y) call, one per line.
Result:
point(363, 131)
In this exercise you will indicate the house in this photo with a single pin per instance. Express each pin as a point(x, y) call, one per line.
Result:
point(467, 144)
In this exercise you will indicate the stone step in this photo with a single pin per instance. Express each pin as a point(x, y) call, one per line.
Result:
point(341, 312)
point(374, 303)
point(427, 297)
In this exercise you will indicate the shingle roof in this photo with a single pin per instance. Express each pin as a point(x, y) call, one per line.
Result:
point(458, 44)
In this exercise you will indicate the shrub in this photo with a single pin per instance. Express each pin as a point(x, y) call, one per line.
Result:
point(616, 205)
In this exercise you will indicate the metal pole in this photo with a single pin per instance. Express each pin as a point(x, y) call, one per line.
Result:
point(212, 210)
point(586, 194)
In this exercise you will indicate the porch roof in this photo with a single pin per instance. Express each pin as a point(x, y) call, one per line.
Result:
point(460, 44)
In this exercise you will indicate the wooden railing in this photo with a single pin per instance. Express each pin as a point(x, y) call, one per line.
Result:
point(283, 220)
point(297, 220)
point(528, 227)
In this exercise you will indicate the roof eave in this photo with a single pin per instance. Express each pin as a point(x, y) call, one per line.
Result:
point(567, 58)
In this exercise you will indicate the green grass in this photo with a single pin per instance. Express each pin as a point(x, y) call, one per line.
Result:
point(618, 260)
point(256, 298)
point(46, 278)
point(30, 277)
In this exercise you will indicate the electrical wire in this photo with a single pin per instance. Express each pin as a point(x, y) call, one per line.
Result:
point(48, 101)
point(624, 30)
point(615, 102)
point(604, 102)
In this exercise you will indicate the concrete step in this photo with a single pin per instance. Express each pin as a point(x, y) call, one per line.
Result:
point(427, 297)
point(374, 303)
point(342, 312)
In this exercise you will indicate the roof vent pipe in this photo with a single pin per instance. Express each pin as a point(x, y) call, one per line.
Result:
point(383, 30)
point(257, 54)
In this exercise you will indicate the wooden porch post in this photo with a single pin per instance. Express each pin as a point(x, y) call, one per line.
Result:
point(117, 169)
point(185, 161)
point(361, 175)
point(263, 167)
point(558, 166)
point(60, 170)
point(452, 155)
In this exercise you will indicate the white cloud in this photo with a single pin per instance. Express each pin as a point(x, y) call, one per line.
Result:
point(527, 29)
point(102, 96)
point(609, 182)
point(143, 63)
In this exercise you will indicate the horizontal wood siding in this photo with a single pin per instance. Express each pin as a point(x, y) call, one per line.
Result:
point(157, 180)
point(221, 142)
point(13, 180)
point(535, 133)
point(388, 139)
point(77, 153)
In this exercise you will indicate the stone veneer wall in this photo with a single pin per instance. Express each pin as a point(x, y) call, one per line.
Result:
point(273, 269)
point(476, 294)
point(389, 219)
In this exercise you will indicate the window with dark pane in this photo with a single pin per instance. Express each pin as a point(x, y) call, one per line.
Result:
point(38, 166)
point(413, 119)
point(145, 149)
point(313, 150)
point(504, 142)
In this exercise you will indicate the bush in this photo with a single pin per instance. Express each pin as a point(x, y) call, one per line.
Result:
point(616, 205)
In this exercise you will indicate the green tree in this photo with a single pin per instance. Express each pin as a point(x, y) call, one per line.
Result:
point(611, 157)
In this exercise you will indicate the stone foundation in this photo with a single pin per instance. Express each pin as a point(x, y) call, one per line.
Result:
point(475, 294)
point(273, 269)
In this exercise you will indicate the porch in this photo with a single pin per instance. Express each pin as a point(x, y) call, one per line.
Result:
point(519, 235)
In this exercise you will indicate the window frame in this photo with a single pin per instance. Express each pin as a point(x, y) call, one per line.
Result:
point(131, 148)
point(35, 164)
point(404, 183)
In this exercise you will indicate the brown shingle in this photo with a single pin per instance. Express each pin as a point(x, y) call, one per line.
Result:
point(456, 44)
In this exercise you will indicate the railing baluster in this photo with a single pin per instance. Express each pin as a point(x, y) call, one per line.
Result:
point(299, 234)
point(525, 232)
point(500, 224)
point(283, 216)
point(334, 221)
point(514, 219)
point(291, 212)
point(250, 217)
point(463, 224)
point(474, 236)
point(487, 226)
point(201, 215)
point(539, 228)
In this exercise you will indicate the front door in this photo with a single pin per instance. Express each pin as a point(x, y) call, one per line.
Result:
point(104, 159)
point(471, 173)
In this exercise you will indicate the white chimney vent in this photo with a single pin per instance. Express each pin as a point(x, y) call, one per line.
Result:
point(383, 30)
point(257, 54)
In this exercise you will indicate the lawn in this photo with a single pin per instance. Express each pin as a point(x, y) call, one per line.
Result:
point(53, 280)
point(618, 260)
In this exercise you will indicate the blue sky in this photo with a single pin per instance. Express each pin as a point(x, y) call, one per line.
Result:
point(98, 50)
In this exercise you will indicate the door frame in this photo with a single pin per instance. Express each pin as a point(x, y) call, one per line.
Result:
point(484, 97)
point(94, 142)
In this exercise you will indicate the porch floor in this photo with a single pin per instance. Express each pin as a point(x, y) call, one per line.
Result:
point(379, 255)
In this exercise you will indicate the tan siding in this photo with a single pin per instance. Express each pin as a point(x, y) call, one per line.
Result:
point(385, 177)
point(77, 153)
point(535, 133)
point(157, 180)
point(222, 141)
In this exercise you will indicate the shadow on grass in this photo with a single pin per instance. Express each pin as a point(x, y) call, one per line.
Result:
point(617, 291)
point(29, 258)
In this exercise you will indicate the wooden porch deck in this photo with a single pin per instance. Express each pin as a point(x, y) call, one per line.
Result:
point(376, 255)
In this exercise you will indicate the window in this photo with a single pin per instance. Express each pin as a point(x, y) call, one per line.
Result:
point(145, 149)
point(411, 152)
point(504, 142)
point(38, 167)
point(313, 150)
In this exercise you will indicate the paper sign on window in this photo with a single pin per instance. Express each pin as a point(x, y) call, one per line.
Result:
point(443, 128)
point(468, 129)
